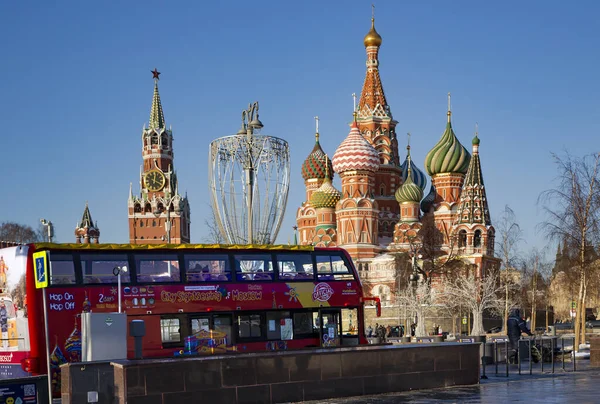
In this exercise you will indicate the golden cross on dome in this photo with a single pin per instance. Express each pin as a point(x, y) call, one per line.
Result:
point(476, 129)
point(373, 11)
point(354, 99)
point(317, 122)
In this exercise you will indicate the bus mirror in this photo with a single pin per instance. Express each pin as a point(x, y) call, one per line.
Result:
point(377, 304)
point(30, 365)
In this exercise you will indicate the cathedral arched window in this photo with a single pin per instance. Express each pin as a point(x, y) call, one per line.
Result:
point(154, 139)
point(165, 142)
point(382, 190)
point(154, 224)
point(477, 239)
point(160, 207)
point(141, 223)
point(137, 208)
point(148, 207)
point(462, 238)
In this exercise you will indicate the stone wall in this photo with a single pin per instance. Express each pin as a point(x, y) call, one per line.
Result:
point(274, 377)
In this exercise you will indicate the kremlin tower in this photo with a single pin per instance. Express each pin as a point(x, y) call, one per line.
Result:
point(160, 214)
point(87, 231)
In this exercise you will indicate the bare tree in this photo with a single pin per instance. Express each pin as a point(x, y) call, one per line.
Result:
point(214, 234)
point(572, 210)
point(18, 233)
point(437, 258)
point(478, 294)
point(419, 300)
point(509, 236)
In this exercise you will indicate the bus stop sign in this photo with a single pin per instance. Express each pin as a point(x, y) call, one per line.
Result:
point(40, 267)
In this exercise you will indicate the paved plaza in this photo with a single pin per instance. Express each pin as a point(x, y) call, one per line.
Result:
point(581, 387)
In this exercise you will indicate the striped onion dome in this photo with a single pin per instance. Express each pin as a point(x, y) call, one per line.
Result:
point(409, 191)
point(448, 155)
point(427, 202)
point(417, 175)
point(314, 166)
point(355, 153)
point(326, 196)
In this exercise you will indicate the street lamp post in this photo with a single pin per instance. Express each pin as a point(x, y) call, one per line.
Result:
point(49, 228)
point(250, 122)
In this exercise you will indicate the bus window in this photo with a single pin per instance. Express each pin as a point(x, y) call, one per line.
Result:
point(349, 325)
point(341, 272)
point(257, 267)
point(249, 326)
point(170, 330)
point(98, 268)
point(303, 323)
point(279, 325)
point(332, 268)
point(62, 269)
point(222, 323)
point(200, 324)
point(324, 270)
point(205, 268)
point(157, 268)
point(295, 267)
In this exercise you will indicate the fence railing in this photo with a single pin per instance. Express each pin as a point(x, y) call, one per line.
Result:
point(536, 349)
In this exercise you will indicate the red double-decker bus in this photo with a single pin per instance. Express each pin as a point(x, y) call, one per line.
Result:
point(255, 298)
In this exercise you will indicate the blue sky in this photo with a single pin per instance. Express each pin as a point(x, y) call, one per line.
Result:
point(76, 89)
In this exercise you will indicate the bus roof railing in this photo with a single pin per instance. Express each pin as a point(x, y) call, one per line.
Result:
point(125, 247)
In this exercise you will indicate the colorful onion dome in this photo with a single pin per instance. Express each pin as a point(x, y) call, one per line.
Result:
point(427, 202)
point(448, 155)
point(409, 191)
point(73, 344)
point(326, 196)
point(355, 153)
point(475, 141)
point(315, 165)
point(372, 38)
point(57, 358)
point(417, 175)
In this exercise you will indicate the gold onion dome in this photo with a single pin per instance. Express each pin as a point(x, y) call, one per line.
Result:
point(372, 38)
point(409, 191)
point(326, 196)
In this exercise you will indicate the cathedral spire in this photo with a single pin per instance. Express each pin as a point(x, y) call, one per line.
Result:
point(372, 98)
point(157, 118)
point(473, 202)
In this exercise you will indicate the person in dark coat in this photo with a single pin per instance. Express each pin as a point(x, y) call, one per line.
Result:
point(515, 326)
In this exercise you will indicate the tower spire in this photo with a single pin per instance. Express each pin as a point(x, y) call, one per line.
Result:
point(157, 118)
point(449, 108)
point(317, 132)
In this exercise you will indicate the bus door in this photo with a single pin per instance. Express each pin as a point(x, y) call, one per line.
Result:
point(330, 327)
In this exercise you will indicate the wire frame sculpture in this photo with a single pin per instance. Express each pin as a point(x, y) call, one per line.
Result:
point(249, 176)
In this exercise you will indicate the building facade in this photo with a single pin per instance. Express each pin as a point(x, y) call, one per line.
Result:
point(380, 210)
point(159, 214)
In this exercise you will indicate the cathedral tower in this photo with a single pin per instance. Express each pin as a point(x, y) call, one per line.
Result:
point(376, 124)
point(160, 214)
point(447, 164)
point(357, 161)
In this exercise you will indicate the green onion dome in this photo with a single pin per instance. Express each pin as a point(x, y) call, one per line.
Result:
point(409, 191)
point(326, 196)
point(475, 141)
point(427, 202)
point(317, 165)
point(448, 155)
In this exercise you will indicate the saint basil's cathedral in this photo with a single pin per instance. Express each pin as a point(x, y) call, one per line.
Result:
point(381, 205)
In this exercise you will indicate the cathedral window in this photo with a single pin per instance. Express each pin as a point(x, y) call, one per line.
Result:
point(141, 223)
point(477, 239)
point(142, 237)
point(148, 208)
point(165, 142)
point(154, 139)
point(462, 238)
point(137, 208)
point(382, 190)
point(154, 224)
